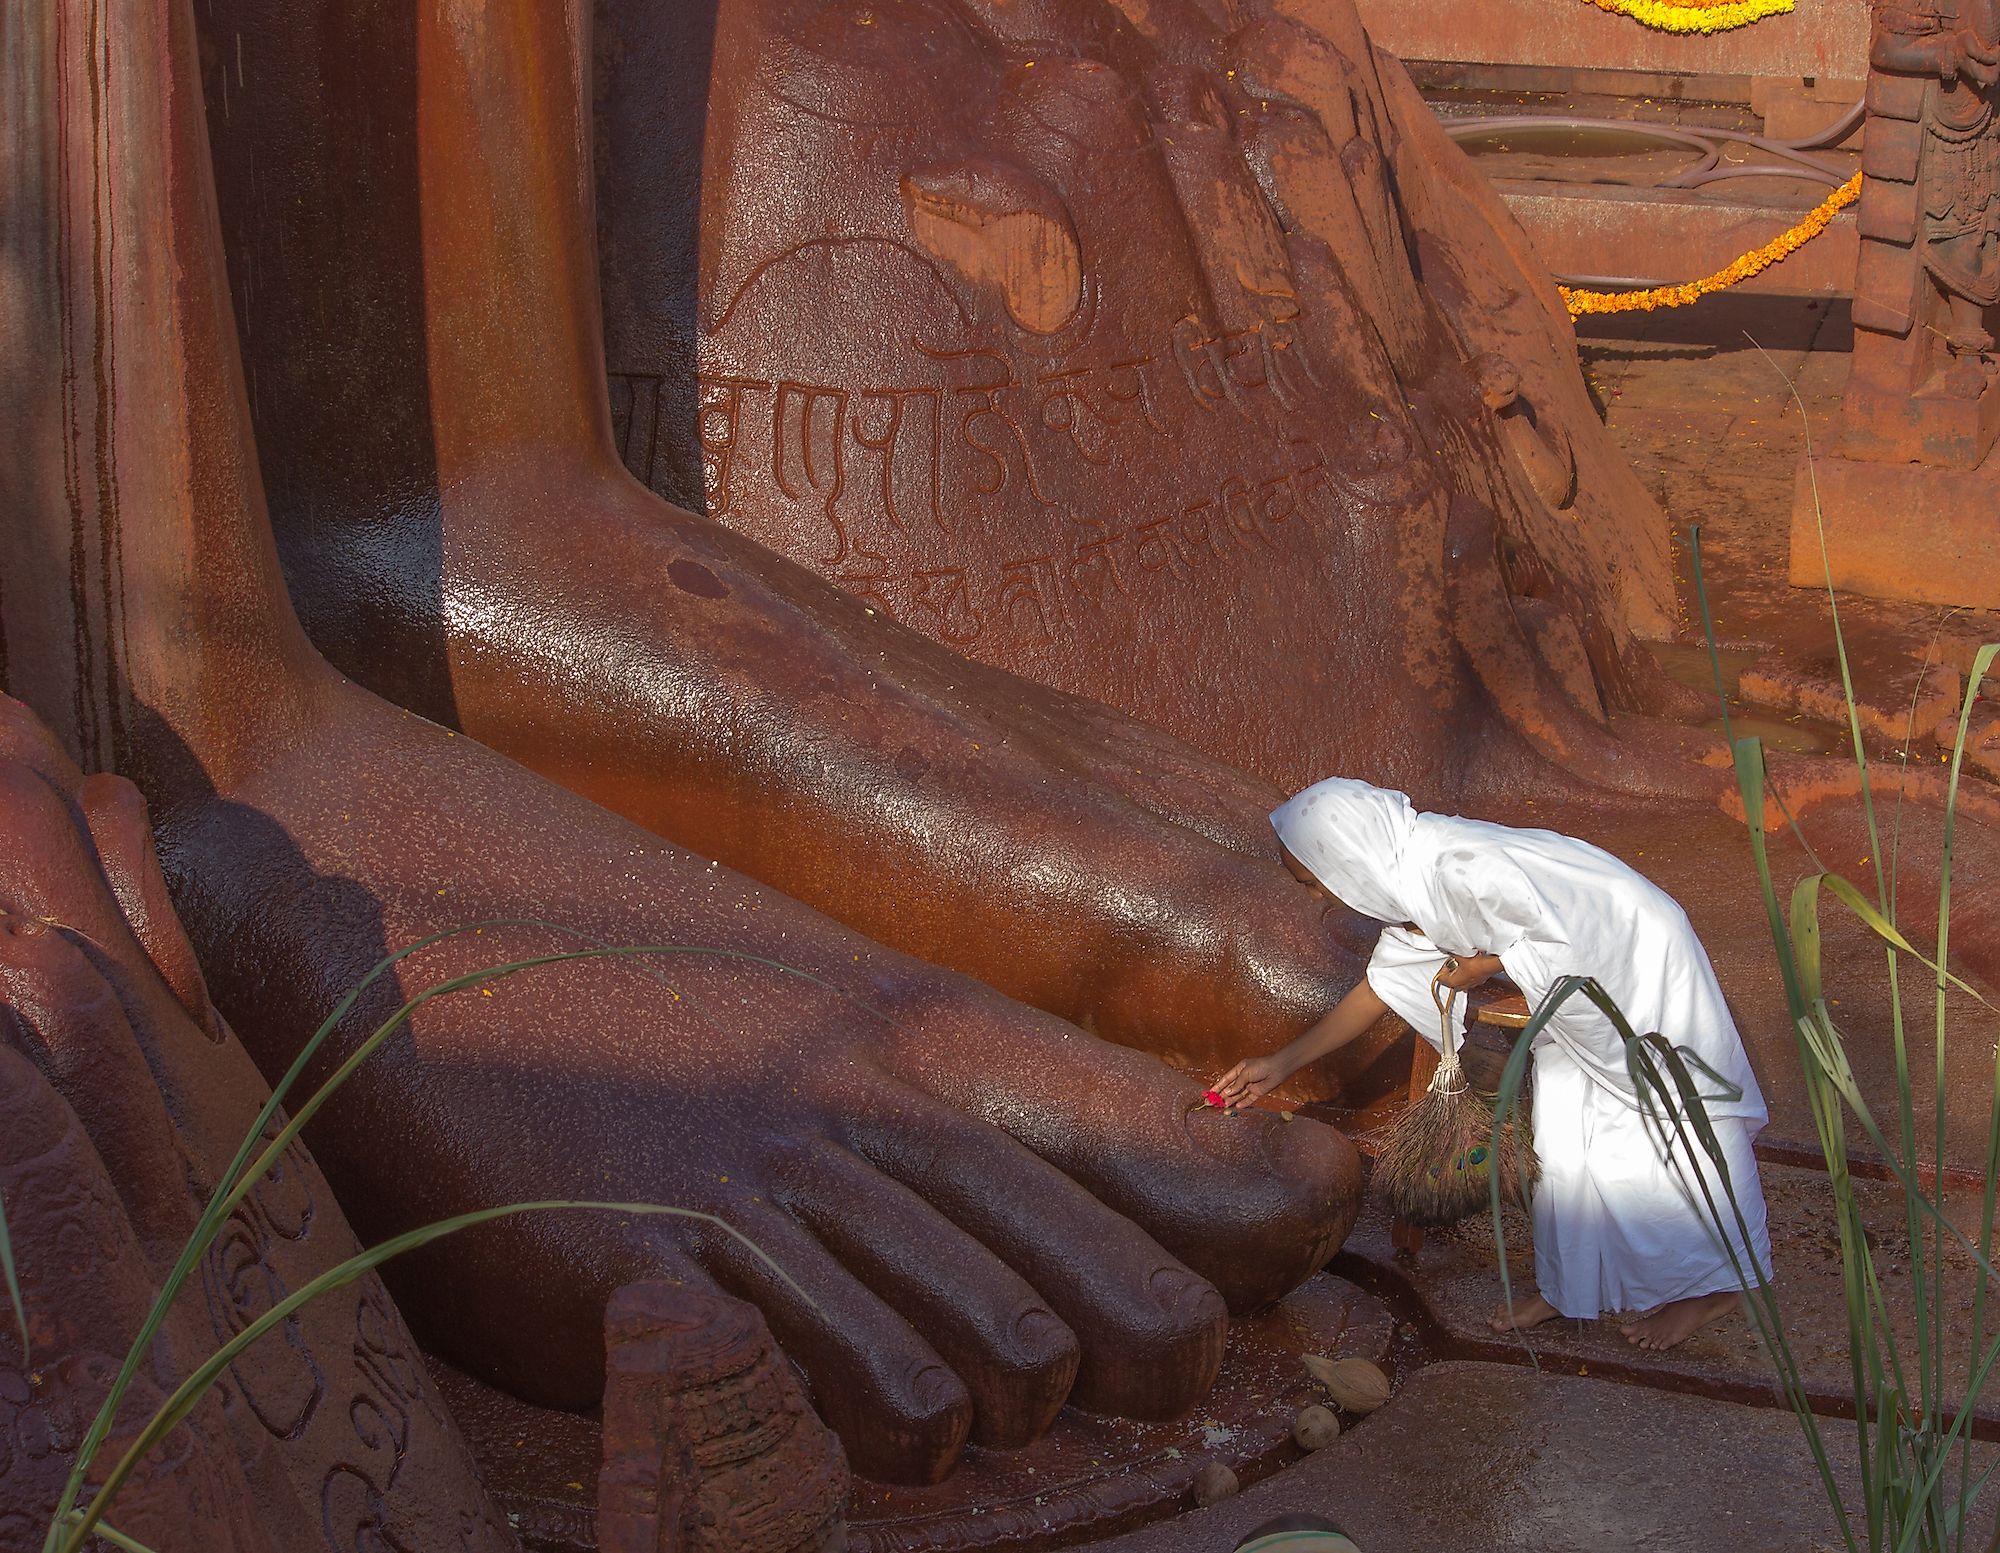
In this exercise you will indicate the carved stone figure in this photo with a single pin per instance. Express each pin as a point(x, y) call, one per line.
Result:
point(1904, 500)
point(1930, 222)
point(1146, 350)
point(1443, 575)
point(695, 1377)
point(989, 1210)
point(412, 264)
point(125, 1097)
point(1960, 180)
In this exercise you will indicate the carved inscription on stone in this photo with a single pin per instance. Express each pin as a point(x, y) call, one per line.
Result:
point(897, 478)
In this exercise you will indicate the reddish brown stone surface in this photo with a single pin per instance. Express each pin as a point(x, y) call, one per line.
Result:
point(127, 1097)
point(987, 1210)
point(1091, 1475)
point(1922, 385)
point(1898, 531)
point(708, 1442)
point(1906, 498)
point(1451, 1287)
point(1505, 1460)
point(1426, 637)
point(1087, 1475)
point(1095, 346)
point(85, 1293)
point(648, 659)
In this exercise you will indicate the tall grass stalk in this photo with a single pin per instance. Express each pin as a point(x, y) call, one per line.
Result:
point(1914, 1471)
point(72, 1525)
point(13, 1281)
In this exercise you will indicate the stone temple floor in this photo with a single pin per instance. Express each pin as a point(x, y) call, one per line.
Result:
point(1573, 1439)
point(1491, 1458)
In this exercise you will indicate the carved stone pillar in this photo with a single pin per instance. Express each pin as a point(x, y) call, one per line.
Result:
point(1906, 497)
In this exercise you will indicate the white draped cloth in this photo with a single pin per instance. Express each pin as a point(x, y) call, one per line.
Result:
point(1620, 1222)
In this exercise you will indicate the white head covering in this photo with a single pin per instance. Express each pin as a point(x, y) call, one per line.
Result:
point(1371, 848)
point(1352, 837)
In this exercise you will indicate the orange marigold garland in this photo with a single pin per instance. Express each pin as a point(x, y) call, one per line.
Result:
point(1695, 15)
point(1581, 302)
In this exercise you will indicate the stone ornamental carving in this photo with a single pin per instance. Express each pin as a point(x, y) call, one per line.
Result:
point(125, 1096)
point(1922, 387)
point(1101, 413)
point(707, 1434)
point(1905, 495)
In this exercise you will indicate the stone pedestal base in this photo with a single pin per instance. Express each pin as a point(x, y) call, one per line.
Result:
point(1901, 531)
point(1934, 425)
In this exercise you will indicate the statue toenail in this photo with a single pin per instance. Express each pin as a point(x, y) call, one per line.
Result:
point(934, 1389)
point(1179, 1292)
point(1038, 1331)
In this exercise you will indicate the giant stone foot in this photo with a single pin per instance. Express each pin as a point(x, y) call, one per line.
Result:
point(978, 1209)
point(459, 535)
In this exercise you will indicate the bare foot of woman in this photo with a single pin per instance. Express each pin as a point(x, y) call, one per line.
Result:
point(1521, 1314)
point(1675, 1323)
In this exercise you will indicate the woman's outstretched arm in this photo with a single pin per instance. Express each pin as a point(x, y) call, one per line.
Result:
point(1257, 1076)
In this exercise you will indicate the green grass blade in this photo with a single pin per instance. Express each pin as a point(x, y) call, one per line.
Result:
point(1507, 1101)
point(1749, 759)
point(209, 1224)
point(1839, 636)
point(240, 1177)
point(1708, 634)
point(13, 1281)
point(1923, 1489)
point(1909, 1183)
point(187, 1396)
point(1931, 1333)
point(115, 1537)
point(1857, 903)
point(1685, 1066)
point(1982, 663)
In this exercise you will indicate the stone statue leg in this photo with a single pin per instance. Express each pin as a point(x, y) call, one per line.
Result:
point(460, 536)
point(1151, 358)
point(977, 1207)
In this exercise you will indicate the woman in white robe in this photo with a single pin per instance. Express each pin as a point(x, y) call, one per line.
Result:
point(1619, 1224)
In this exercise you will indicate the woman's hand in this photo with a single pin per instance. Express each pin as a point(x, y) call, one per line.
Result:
point(1254, 1077)
point(1251, 1079)
point(1462, 973)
